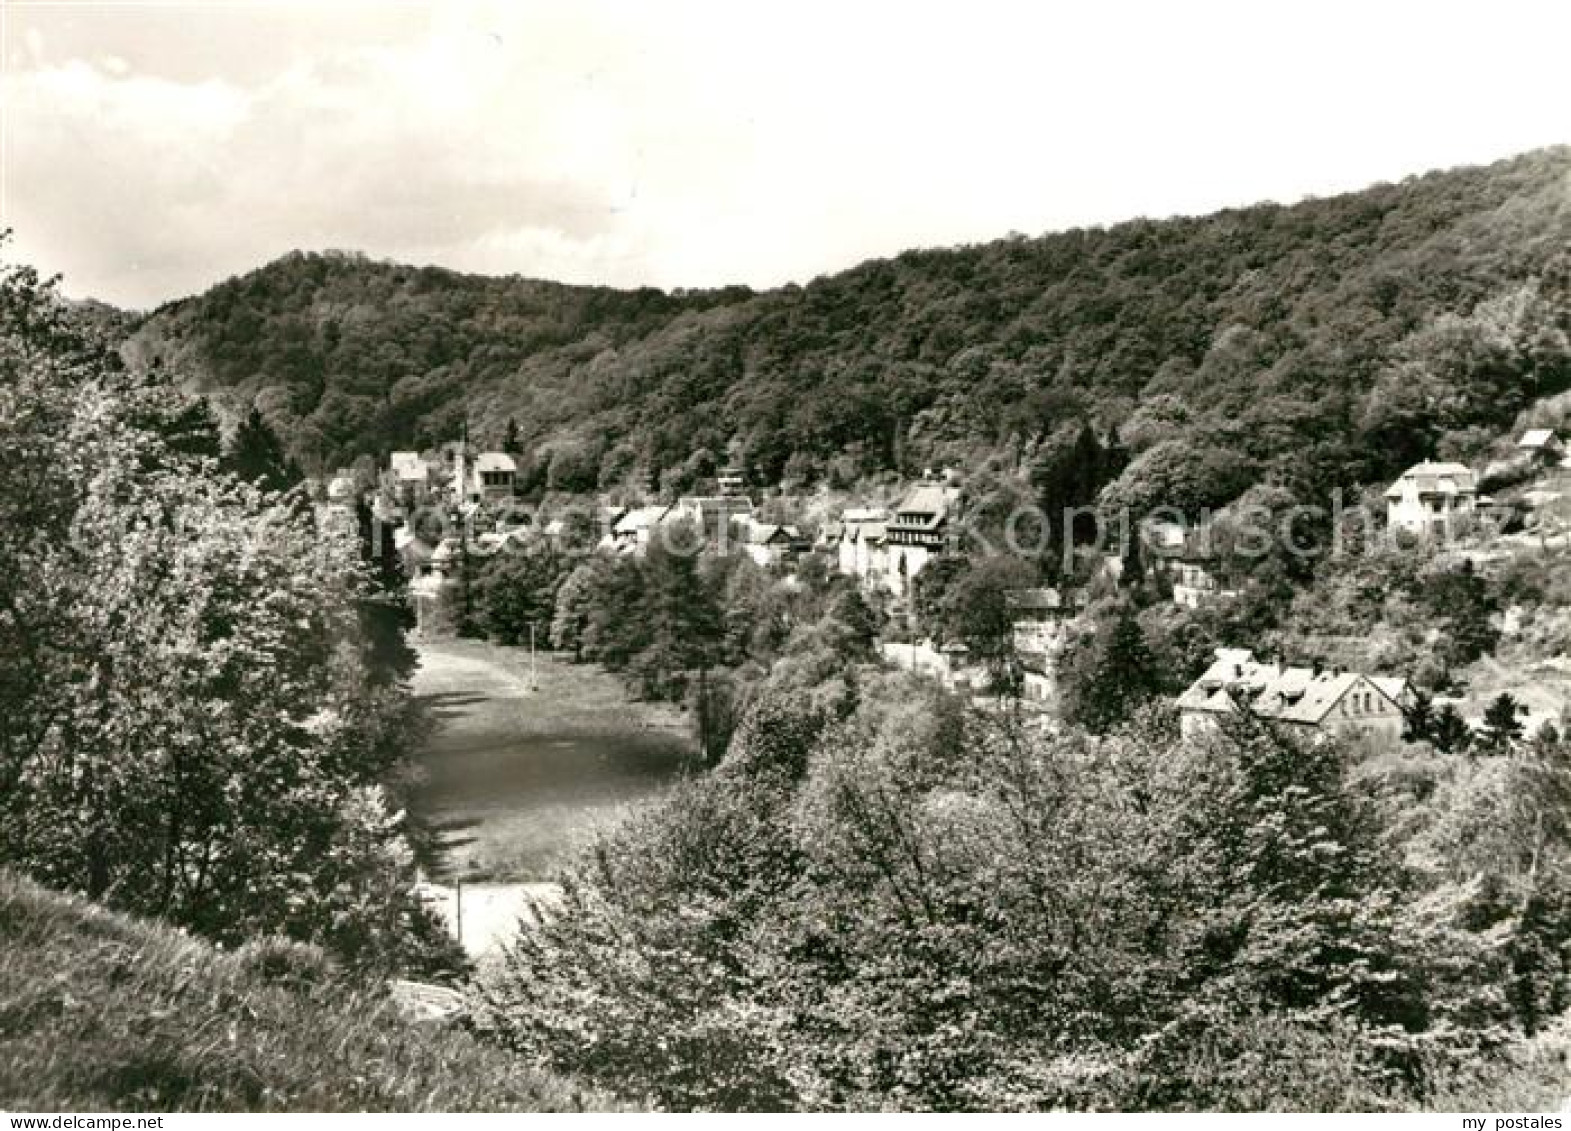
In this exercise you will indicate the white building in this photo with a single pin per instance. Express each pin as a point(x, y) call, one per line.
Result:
point(949, 664)
point(493, 478)
point(916, 535)
point(713, 515)
point(633, 532)
point(484, 478)
point(1040, 619)
point(886, 552)
point(411, 476)
point(860, 552)
point(768, 544)
point(1324, 700)
point(1185, 558)
point(1429, 496)
point(341, 489)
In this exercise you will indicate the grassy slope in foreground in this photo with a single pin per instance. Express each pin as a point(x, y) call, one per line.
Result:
point(100, 1012)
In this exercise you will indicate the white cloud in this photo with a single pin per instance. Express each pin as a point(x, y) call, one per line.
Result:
point(686, 143)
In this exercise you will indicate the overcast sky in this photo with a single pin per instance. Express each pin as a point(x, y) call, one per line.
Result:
point(151, 150)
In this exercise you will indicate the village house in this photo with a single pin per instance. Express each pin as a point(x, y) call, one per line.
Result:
point(1429, 496)
point(1185, 558)
point(479, 479)
point(714, 515)
point(411, 478)
point(341, 488)
point(487, 478)
point(887, 553)
point(494, 476)
point(860, 552)
point(769, 544)
point(1312, 699)
point(916, 535)
point(1194, 582)
point(730, 481)
point(1542, 447)
point(1040, 620)
point(949, 663)
point(632, 533)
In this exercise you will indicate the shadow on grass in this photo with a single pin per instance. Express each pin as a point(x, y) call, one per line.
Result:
point(449, 704)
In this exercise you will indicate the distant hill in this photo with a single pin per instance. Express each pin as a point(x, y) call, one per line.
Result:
point(99, 1012)
point(1320, 343)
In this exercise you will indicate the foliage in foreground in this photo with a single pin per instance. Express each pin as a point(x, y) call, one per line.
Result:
point(196, 716)
point(99, 1012)
point(889, 904)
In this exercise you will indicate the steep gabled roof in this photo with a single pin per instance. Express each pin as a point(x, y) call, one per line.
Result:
point(1273, 691)
point(1393, 687)
point(1431, 478)
point(923, 508)
point(641, 519)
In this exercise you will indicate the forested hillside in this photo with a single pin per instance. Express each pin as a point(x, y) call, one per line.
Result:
point(1328, 341)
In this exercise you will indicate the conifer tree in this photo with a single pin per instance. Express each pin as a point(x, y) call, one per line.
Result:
point(1450, 733)
point(255, 454)
point(1419, 718)
point(1121, 676)
point(1502, 724)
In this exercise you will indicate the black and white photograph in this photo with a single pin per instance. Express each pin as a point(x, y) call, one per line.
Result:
point(677, 556)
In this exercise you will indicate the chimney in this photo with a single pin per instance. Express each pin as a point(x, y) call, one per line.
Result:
point(1318, 667)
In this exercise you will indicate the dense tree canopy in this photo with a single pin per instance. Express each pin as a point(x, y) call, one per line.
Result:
point(1321, 344)
point(892, 903)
